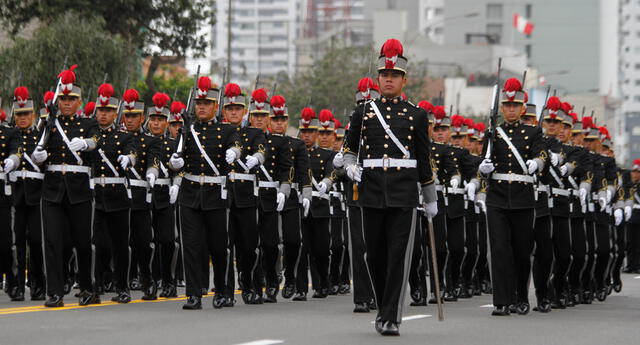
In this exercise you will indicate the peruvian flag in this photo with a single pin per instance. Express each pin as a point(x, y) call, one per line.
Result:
point(522, 24)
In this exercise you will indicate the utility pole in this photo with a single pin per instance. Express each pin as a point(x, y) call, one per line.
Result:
point(228, 42)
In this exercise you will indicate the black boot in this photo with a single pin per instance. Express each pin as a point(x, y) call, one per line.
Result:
point(150, 291)
point(288, 291)
point(54, 301)
point(193, 303)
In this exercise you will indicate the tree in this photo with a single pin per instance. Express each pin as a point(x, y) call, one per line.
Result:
point(164, 30)
point(36, 62)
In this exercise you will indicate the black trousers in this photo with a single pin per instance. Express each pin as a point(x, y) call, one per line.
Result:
point(28, 230)
point(292, 243)
point(269, 241)
point(561, 253)
point(588, 282)
point(543, 256)
point(180, 262)
point(6, 243)
point(440, 236)
point(482, 267)
point(620, 250)
point(166, 240)
point(511, 239)
point(362, 289)
point(603, 253)
point(315, 253)
point(471, 255)
point(419, 259)
point(111, 233)
point(389, 236)
point(578, 254)
point(633, 246)
point(345, 270)
point(142, 241)
point(243, 231)
point(74, 220)
point(455, 244)
point(337, 250)
point(204, 233)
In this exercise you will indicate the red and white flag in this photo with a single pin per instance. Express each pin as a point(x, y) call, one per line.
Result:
point(522, 24)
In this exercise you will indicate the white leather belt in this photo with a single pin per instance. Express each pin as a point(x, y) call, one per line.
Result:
point(13, 176)
point(451, 190)
point(294, 186)
point(3, 176)
point(543, 188)
point(560, 191)
point(163, 182)
point(512, 177)
point(321, 196)
point(245, 177)
point(139, 183)
point(389, 163)
point(439, 188)
point(109, 180)
point(636, 206)
point(268, 184)
point(336, 195)
point(204, 179)
point(64, 168)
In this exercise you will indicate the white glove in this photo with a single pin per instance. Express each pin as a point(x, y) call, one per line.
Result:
point(564, 170)
point(124, 161)
point(454, 183)
point(230, 156)
point(354, 172)
point(280, 200)
point(322, 188)
point(252, 162)
point(176, 161)
point(603, 202)
point(173, 193)
point(9, 165)
point(77, 144)
point(39, 155)
point(471, 191)
point(609, 196)
point(627, 212)
point(555, 159)
point(618, 215)
point(431, 209)
point(486, 167)
point(583, 195)
point(532, 165)
point(151, 178)
point(482, 205)
point(306, 203)
point(338, 160)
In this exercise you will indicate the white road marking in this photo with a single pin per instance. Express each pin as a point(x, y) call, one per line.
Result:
point(413, 317)
point(486, 306)
point(263, 342)
point(636, 277)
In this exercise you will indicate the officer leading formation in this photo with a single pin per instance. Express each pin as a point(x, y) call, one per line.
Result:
point(216, 194)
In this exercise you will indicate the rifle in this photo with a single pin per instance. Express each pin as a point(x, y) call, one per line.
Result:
point(356, 194)
point(220, 96)
point(124, 88)
point(524, 78)
point(546, 98)
point(52, 108)
point(186, 114)
point(255, 86)
point(493, 121)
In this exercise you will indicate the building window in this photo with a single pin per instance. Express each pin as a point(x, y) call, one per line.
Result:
point(527, 49)
point(636, 130)
point(637, 67)
point(637, 82)
point(495, 30)
point(527, 10)
point(636, 98)
point(439, 11)
point(494, 11)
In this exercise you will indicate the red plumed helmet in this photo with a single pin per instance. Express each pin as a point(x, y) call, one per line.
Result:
point(67, 78)
point(21, 95)
point(337, 123)
point(204, 84)
point(427, 106)
point(636, 164)
point(177, 107)
point(306, 116)
point(511, 87)
point(232, 90)
point(390, 50)
point(574, 116)
point(604, 132)
point(526, 98)
point(259, 97)
point(587, 123)
point(278, 104)
point(457, 121)
point(130, 98)
point(3, 116)
point(365, 85)
point(439, 113)
point(325, 117)
point(469, 123)
point(567, 107)
point(160, 100)
point(553, 105)
point(480, 127)
point(105, 91)
point(89, 108)
point(48, 97)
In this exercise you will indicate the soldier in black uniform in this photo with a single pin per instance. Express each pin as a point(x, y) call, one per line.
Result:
point(275, 176)
point(176, 123)
point(344, 278)
point(164, 194)
point(141, 178)
point(67, 194)
point(395, 159)
point(114, 154)
point(510, 200)
point(316, 239)
point(633, 235)
point(210, 147)
point(9, 146)
point(297, 203)
point(243, 192)
point(25, 187)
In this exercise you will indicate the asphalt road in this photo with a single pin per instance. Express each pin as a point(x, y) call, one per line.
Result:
point(329, 321)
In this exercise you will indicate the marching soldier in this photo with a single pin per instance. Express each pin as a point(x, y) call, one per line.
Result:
point(588, 141)
point(67, 194)
point(344, 279)
point(141, 177)
point(209, 148)
point(176, 122)
point(395, 163)
point(514, 155)
point(633, 235)
point(115, 152)
point(164, 194)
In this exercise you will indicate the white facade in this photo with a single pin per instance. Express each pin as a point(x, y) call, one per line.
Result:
point(431, 19)
point(629, 74)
